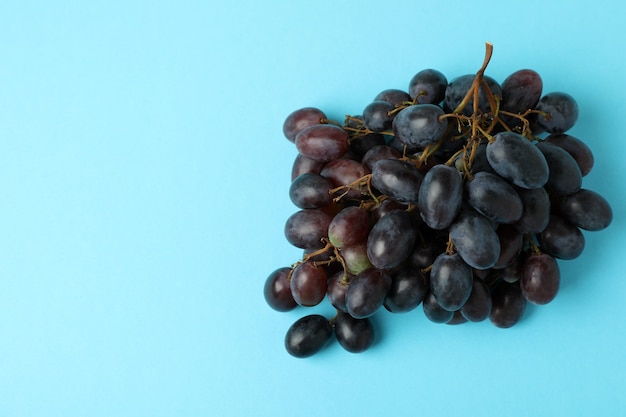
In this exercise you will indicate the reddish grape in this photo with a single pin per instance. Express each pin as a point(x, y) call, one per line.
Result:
point(277, 290)
point(301, 119)
point(308, 284)
point(541, 279)
point(348, 227)
point(322, 142)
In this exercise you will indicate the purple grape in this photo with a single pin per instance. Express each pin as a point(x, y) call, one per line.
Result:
point(586, 209)
point(343, 172)
point(322, 142)
point(376, 116)
point(393, 96)
point(561, 239)
point(458, 88)
point(310, 191)
point(429, 86)
point(565, 176)
point(451, 281)
point(398, 179)
point(306, 228)
point(308, 335)
point(521, 91)
point(508, 305)
point(440, 196)
point(475, 239)
point(308, 284)
point(434, 312)
point(349, 226)
point(300, 120)
point(361, 144)
point(511, 242)
point(541, 279)
point(494, 198)
point(304, 165)
point(536, 212)
point(478, 305)
point(354, 335)
point(337, 289)
point(367, 292)
point(419, 125)
point(408, 288)
point(391, 240)
point(277, 290)
point(379, 153)
point(516, 159)
point(563, 111)
point(575, 147)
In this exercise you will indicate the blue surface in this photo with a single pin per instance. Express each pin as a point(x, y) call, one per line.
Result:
point(144, 179)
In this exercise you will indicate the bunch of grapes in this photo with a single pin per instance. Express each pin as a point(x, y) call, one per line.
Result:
point(457, 196)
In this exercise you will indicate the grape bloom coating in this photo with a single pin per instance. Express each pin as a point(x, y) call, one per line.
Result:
point(460, 197)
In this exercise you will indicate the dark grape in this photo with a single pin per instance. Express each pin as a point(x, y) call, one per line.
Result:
point(277, 290)
point(515, 158)
point(344, 172)
point(541, 279)
point(391, 240)
point(349, 226)
point(457, 318)
point(367, 292)
point(478, 305)
point(308, 284)
point(513, 272)
point(458, 88)
point(376, 116)
point(475, 240)
point(393, 96)
point(561, 239)
point(494, 198)
point(434, 312)
point(575, 147)
point(337, 288)
point(508, 305)
point(429, 86)
point(536, 212)
point(511, 242)
point(440, 196)
point(419, 125)
point(354, 335)
point(451, 281)
point(308, 335)
point(521, 91)
point(301, 119)
point(398, 179)
point(385, 207)
point(304, 165)
point(361, 144)
point(563, 111)
point(310, 191)
point(378, 153)
point(306, 228)
point(425, 253)
point(408, 289)
point(322, 142)
point(586, 209)
point(565, 176)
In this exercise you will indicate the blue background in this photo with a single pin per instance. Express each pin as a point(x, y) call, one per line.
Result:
point(143, 184)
